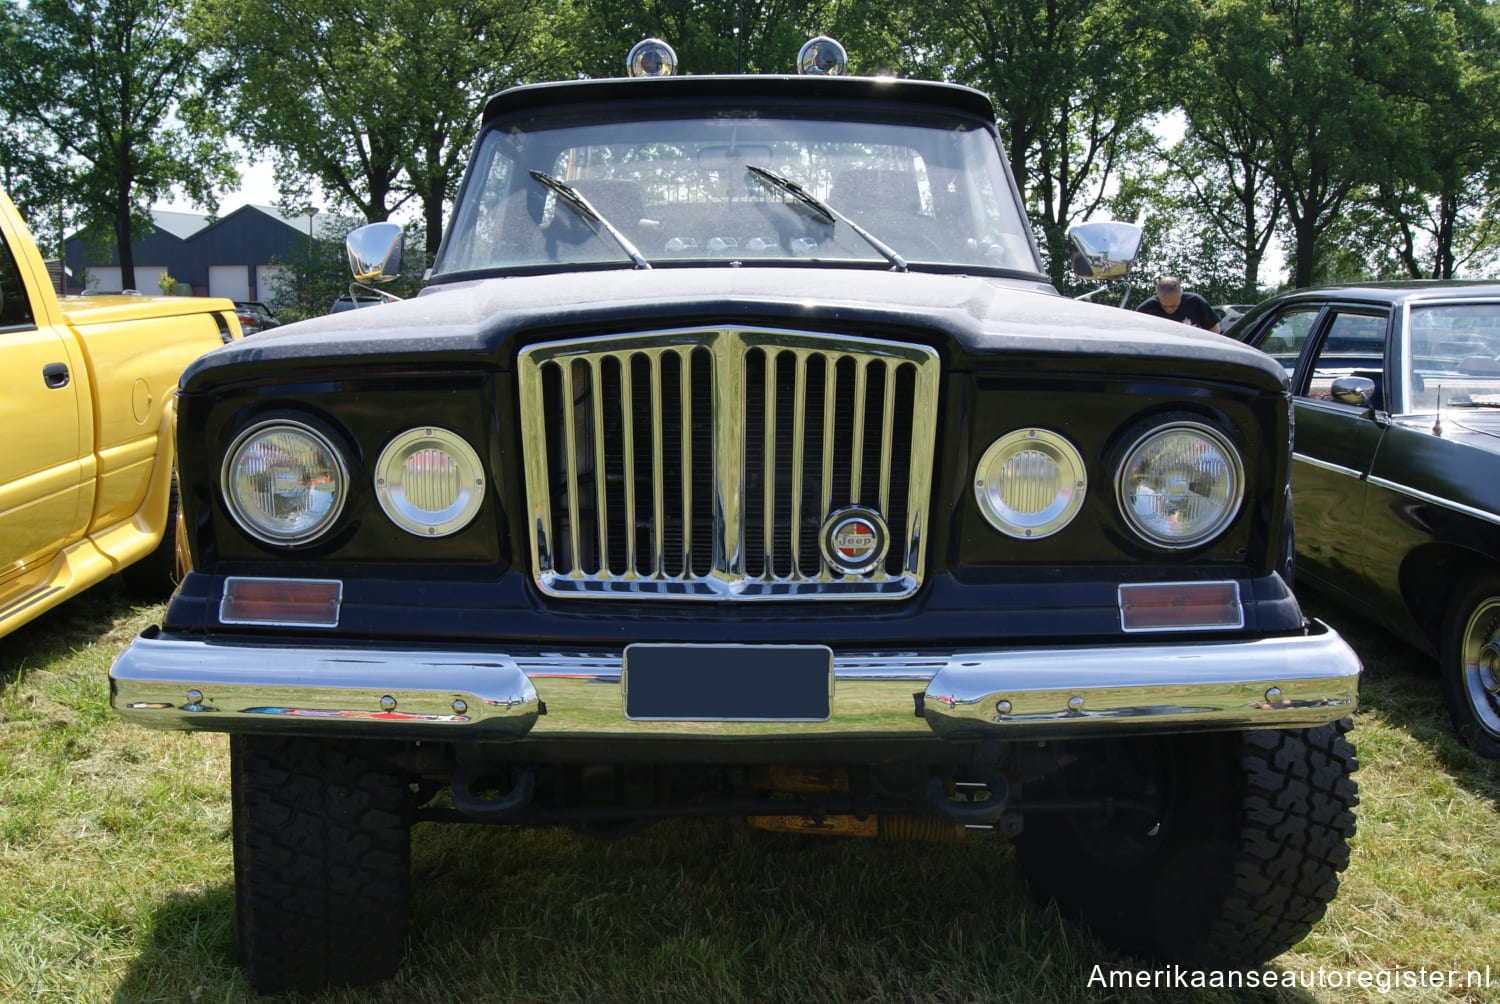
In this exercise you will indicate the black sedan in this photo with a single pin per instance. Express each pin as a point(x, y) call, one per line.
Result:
point(1396, 480)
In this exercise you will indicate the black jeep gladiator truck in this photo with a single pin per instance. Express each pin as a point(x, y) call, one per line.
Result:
point(738, 458)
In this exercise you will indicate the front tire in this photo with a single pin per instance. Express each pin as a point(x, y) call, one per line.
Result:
point(1227, 854)
point(1470, 667)
point(322, 861)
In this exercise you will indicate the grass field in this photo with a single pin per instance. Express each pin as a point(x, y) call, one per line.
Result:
point(116, 876)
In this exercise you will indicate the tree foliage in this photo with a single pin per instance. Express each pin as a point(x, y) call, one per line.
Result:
point(103, 95)
point(1073, 81)
point(376, 103)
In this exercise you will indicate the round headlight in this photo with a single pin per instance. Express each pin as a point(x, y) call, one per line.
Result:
point(1030, 483)
point(1180, 485)
point(429, 481)
point(284, 482)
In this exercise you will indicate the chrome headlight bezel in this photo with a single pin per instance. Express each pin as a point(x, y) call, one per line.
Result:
point(1069, 477)
point(468, 475)
point(242, 513)
point(1234, 494)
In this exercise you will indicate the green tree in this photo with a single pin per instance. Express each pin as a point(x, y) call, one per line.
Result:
point(378, 103)
point(304, 82)
point(111, 88)
point(445, 60)
point(1309, 95)
point(1073, 81)
point(1437, 201)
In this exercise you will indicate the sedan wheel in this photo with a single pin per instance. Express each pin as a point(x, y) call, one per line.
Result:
point(1471, 666)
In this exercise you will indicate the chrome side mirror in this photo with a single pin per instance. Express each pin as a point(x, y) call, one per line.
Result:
point(1356, 390)
point(374, 252)
point(1102, 251)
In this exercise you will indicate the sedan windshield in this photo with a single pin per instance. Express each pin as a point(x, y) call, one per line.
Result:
point(1455, 355)
point(681, 191)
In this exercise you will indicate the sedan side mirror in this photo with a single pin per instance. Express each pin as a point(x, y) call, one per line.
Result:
point(1356, 390)
point(374, 252)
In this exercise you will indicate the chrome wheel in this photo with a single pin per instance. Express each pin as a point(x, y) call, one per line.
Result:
point(1480, 668)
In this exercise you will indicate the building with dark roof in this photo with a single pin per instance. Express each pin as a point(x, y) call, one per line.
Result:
point(230, 257)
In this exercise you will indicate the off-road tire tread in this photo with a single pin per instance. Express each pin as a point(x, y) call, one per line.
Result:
point(1256, 842)
point(322, 862)
point(1297, 808)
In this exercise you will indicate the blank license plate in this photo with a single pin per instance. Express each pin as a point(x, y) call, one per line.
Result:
point(728, 683)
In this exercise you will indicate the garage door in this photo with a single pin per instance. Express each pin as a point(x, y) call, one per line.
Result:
point(268, 280)
point(229, 281)
point(106, 278)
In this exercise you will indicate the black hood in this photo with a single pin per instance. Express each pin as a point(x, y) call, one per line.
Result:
point(975, 321)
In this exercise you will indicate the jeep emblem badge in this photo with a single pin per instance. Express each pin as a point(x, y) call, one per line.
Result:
point(854, 540)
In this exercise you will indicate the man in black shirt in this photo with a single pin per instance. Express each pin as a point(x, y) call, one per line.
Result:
point(1175, 305)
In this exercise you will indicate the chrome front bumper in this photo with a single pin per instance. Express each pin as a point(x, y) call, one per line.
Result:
point(968, 694)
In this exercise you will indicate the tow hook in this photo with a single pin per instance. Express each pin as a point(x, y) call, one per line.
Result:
point(473, 805)
point(971, 812)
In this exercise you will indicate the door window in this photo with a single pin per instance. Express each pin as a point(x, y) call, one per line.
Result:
point(1353, 346)
point(15, 305)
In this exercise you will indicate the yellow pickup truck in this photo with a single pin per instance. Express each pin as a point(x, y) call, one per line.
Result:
point(86, 427)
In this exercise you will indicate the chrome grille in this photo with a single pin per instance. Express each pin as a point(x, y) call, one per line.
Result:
point(705, 463)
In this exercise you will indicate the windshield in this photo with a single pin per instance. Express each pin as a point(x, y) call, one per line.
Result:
point(1455, 352)
point(681, 191)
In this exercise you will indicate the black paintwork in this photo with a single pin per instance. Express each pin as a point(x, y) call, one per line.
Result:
point(1417, 505)
point(1014, 354)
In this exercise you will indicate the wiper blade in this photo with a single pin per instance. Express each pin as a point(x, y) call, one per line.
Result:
point(574, 200)
point(824, 213)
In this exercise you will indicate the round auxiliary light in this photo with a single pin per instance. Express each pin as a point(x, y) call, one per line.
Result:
point(1030, 483)
point(822, 56)
point(1180, 484)
point(651, 57)
point(429, 482)
point(284, 482)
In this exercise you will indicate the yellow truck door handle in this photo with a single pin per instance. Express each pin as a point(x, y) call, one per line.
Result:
point(56, 375)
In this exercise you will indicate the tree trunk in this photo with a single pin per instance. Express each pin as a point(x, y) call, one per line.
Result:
point(122, 242)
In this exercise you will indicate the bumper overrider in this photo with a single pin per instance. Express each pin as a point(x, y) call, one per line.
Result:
point(466, 694)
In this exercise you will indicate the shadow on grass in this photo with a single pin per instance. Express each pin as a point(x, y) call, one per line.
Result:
point(694, 911)
point(1401, 685)
point(189, 954)
point(72, 625)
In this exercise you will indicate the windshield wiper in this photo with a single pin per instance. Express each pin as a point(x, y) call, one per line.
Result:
point(824, 213)
point(581, 207)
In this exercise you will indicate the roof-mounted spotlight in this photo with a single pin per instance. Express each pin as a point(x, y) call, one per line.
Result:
point(651, 57)
point(822, 56)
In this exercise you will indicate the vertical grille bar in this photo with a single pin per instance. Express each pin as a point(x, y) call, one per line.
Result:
point(887, 434)
point(601, 486)
point(627, 426)
point(769, 432)
point(570, 463)
point(686, 417)
point(830, 433)
point(768, 535)
point(857, 449)
point(658, 478)
point(799, 434)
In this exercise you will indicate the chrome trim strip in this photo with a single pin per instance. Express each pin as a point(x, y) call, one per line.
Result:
point(1058, 692)
point(727, 574)
point(1421, 496)
point(1325, 465)
point(227, 686)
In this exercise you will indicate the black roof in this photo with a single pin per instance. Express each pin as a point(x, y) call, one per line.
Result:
point(1397, 291)
point(747, 87)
